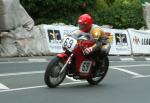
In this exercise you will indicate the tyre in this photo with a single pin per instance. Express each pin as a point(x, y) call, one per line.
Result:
point(101, 71)
point(52, 77)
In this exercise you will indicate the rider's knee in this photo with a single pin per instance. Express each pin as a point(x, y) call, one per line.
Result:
point(106, 48)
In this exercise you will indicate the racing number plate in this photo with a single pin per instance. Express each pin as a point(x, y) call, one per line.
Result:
point(85, 66)
point(69, 43)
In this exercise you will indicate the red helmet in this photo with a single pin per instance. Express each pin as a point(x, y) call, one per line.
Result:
point(85, 22)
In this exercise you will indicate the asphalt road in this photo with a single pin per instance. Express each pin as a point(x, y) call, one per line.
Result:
point(126, 82)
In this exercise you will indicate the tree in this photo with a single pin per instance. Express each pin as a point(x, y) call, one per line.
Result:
point(118, 13)
point(65, 11)
point(109, 2)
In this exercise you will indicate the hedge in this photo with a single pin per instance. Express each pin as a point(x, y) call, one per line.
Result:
point(118, 13)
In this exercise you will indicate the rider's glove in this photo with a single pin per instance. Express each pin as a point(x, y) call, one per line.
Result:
point(88, 50)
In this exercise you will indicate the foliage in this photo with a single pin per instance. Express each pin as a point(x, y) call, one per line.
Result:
point(118, 13)
point(122, 14)
point(109, 2)
point(50, 11)
point(143, 1)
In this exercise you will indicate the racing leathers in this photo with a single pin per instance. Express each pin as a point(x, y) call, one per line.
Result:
point(96, 34)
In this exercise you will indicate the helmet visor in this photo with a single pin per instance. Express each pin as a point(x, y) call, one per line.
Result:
point(82, 26)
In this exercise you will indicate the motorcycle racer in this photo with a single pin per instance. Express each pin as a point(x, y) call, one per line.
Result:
point(93, 32)
point(84, 57)
point(85, 23)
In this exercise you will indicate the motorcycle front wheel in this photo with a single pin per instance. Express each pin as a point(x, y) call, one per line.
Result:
point(52, 77)
point(101, 71)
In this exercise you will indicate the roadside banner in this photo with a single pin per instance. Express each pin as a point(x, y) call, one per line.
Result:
point(54, 35)
point(140, 41)
point(119, 39)
point(120, 42)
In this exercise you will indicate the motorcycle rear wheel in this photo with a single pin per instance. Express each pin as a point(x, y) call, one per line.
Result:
point(52, 77)
point(102, 72)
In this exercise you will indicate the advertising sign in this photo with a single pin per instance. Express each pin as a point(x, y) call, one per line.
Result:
point(140, 41)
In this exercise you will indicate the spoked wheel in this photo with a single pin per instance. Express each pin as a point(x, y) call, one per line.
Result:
point(100, 73)
point(52, 77)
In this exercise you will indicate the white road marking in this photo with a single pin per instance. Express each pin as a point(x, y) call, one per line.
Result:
point(126, 59)
point(113, 67)
point(23, 62)
point(21, 73)
point(140, 65)
point(144, 76)
point(37, 60)
point(5, 88)
point(45, 60)
point(29, 73)
point(147, 58)
point(17, 62)
point(127, 71)
point(41, 86)
point(136, 75)
point(2, 86)
point(38, 72)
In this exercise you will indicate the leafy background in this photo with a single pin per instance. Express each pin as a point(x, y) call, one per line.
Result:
point(118, 13)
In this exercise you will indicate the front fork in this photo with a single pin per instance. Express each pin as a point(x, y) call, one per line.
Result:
point(66, 63)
